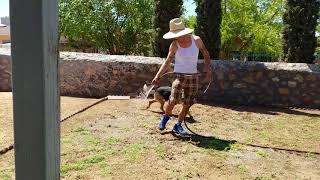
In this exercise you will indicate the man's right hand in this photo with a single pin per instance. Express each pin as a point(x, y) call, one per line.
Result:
point(155, 81)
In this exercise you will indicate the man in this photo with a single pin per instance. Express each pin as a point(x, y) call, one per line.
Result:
point(184, 49)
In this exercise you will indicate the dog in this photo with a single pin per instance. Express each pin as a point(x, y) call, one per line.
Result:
point(161, 95)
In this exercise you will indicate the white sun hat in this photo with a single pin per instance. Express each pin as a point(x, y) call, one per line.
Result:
point(177, 29)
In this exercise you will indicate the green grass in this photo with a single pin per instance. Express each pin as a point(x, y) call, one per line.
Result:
point(104, 169)
point(4, 176)
point(92, 145)
point(161, 151)
point(261, 153)
point(264, 136)
point(134, 151)
point(310, 156)
point(243, 168)
point(259, 178)
point(235, 147)
point(79, 129)
point(81, 164)
point(112, 140)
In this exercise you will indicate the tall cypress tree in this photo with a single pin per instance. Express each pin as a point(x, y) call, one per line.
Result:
point(300, 21)
point(209, 17)
point(165, 10)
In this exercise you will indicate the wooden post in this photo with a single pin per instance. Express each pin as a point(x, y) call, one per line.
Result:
point(34, 33)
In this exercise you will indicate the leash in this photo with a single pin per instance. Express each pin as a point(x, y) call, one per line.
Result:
point(207, 87)
point(254, 145)
point(246, 144)
point(171, 72)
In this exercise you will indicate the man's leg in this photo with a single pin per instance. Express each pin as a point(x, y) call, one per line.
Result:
point(190, 90)
point(183, 112)
point(168, 109)
point(174, 98)
point(165, 118)
point(177, 128)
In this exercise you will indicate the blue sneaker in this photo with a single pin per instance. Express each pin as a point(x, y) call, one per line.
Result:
point(177, 128)
point(163, 121)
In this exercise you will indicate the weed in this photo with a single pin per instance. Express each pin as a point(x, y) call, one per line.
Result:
point(261, 153)
point(112, 140)
point(161, 151)
point(133, 152)
point(235, 147)
point(81, 164)
point(105, 169)
point(4, 176)
point(243, 168)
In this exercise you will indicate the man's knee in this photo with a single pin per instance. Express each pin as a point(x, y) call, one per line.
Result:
point(169, 108)
point(185, 106)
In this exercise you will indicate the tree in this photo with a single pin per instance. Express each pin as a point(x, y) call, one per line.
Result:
point(114, 26)
point(252, 27)
point(209, 18)
point(165, 10)
point(300, 22)
point(190, 22)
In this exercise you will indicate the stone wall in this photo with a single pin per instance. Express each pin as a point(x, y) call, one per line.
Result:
point(277, 84)
point(5, 73)
point(95, 75)
point(247, 83)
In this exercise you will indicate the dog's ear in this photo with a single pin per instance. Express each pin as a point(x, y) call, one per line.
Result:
point(145, 88)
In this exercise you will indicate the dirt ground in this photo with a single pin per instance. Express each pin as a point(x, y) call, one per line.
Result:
point(120, 140)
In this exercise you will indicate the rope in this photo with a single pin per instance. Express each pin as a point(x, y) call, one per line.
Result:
point(84, 109)
point(10, 147)
point(246, 144)
point(6, 149)
point(256, 145)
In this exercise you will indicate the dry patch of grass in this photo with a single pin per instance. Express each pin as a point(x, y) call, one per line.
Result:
point(119, 140)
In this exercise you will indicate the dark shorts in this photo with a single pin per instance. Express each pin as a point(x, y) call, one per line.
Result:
point(184, 89)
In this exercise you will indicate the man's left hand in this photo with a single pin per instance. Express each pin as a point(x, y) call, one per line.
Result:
point(208, 76)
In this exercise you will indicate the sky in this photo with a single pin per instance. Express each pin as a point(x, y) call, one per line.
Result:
point(189, 5)
point(4, 8)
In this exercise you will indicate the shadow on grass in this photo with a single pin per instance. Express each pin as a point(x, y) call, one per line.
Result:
point(263, 109)
point(207, 142)
point(211, 142)
point(254, 109)
point(188, 118)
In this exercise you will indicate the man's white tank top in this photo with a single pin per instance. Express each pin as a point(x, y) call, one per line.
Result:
point(186, 58)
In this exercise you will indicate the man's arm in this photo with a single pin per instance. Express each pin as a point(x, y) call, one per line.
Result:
point(206, 56)
point(166, 64)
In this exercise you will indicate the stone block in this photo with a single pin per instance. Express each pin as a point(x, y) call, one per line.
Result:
point(299, 78)
point(311, 77)
point(232, 76)
point(249, 79)
point(276, 79)
point(284, 91)
point(259, 75)
point(292, 84)
point(240, 85)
